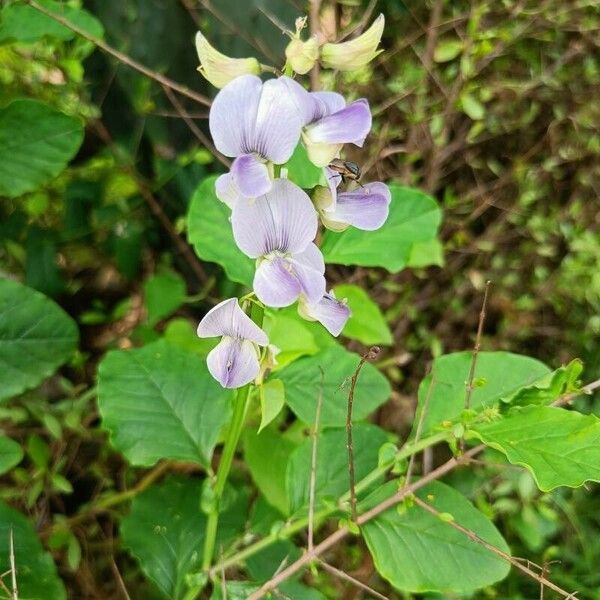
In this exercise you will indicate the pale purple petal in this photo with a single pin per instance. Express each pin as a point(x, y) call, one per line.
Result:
point(349, 125)
point(333, 181)
point(233, 114)
point(328, 102)
point(226, 189)
point(283, 220)
point(278, 123)
point(365, 208)
point(309, 268)
point(228, 319)
point(275, 284)
point(329, 311)
point(303, 100)
point(251, 176)
point(233, 362)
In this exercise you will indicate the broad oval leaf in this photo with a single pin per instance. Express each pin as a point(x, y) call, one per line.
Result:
point(11, 454)
point(497, 375)
point(36, 337)
point(414, 217)
point(559, 447)
point(302, 380)
point(367, 324)
point(209, 231)
point(161, 402)
point(331, 477)
point(165, 531)
point(418, 552)
point(36, 143)
point(37, 578)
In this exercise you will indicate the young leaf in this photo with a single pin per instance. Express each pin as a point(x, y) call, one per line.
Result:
point(332, 463)
point(418, 552)
point(36, 572)
point(367, 324)
point(497, 375)
point(559, 447)
point(291, 335)
point(36, 143)
point(11, 454)
point(165, 531)
point(36, 337)
point(302, 381)
point(209, 231)
point(161, 402)
point(272, 400)
point(163, 294)
point(414, 217)
point(301, 171)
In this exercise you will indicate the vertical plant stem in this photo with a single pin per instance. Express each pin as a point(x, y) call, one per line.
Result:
point(231, 442)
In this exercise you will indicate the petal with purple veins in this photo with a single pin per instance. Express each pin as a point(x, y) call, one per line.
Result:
point(365, 208)
point(329, 311)
point(251, 176)
point(226, 190)
point(309, 268)
point(233, 362)
point(349, 125)
point(283, 220)
point(275, 284)
point(329, 103)
point(228, 319)
point(233, 114)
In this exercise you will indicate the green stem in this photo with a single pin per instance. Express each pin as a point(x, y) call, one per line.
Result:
point(231, 442)
point(297, 526)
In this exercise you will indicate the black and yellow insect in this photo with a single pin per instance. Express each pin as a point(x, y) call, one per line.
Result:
point(346, 169)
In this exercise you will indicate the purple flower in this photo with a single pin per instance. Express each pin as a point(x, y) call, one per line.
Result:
point(365, 208)
point(329, 311)
point(256, 123)
point(278, 229)
point(329, 122)
point(234, 361)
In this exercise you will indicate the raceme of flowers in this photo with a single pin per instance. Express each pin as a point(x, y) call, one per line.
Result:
point(259, 125)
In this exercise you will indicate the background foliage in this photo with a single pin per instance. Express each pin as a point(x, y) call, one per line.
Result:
point(490, 108)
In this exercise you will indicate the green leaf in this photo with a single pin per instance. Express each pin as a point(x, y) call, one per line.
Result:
point(291, 335)
point(163, 294)
point(182, 334)
point(549, 387)
point(419, 552)
point(36, 143)
point(161, 402)
point(209, 231)
point(414, 217)
point(560, 447)
point(425, 254)
point(165, 531)
point(267, 456)
point(272, 400)
point(37, 578)
point(367, 324)
point(22, 23)
point(331, 480)
point(472, 107)
point(447, 50)
point(301, 171)
point(36, 337)
point(302, 381)
point(11, 454)
point(499, 374)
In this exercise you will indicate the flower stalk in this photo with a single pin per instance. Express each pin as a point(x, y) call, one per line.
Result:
point(233, 437)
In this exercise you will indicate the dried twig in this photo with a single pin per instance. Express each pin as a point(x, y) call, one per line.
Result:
point(370, 355)
point(359, 584)
point(313, 464)
point(122, 57)
point(503, 555)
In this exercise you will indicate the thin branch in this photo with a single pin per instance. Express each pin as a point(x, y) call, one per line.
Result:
point(370, 355)
point(13, 568)
point(359, 584)
point(127, 60)
point(313, 464)
point(586, 389)
point(477, 346)
point(503, 555)
point(341, 533)
point(202, 137)
point(315, 30)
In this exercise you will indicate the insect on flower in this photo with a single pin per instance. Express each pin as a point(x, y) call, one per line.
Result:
point(346, 169)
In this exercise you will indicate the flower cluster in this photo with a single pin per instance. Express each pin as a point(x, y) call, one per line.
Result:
point(259, 125)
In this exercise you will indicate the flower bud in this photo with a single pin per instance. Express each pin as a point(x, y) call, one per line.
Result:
point(302, 56)
point(220, 69)
point(356, 53)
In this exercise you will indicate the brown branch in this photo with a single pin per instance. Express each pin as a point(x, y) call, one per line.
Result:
point(127, 60)
point(503, 555)
point(315, 30)
point(341, 533)
point(359, 584)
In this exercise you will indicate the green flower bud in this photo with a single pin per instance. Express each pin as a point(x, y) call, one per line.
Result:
point(220, 69)
point(348, 56)
point(302, 56)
